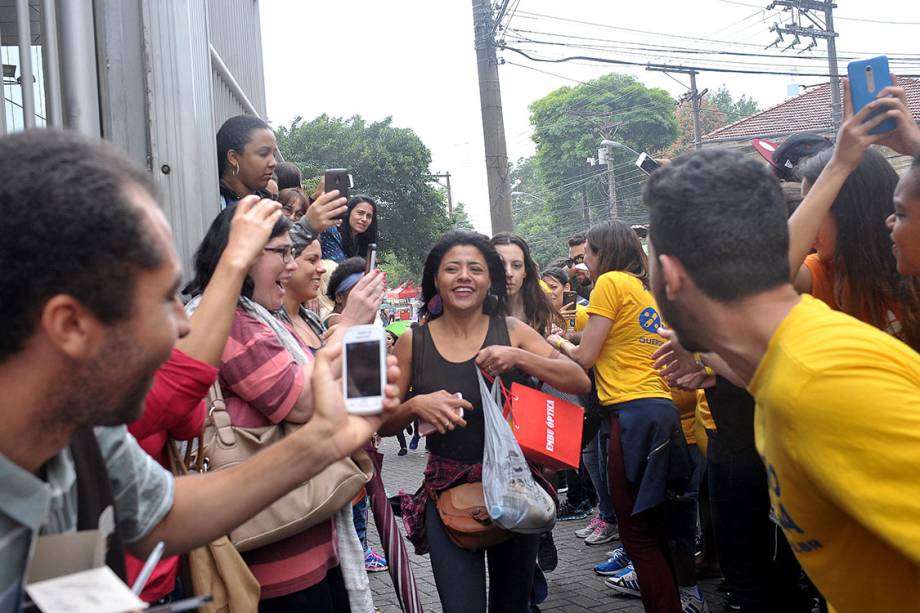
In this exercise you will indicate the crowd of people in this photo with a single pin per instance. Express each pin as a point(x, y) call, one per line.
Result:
point(746, 365)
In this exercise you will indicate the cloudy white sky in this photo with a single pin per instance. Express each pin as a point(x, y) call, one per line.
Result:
point(414, 60)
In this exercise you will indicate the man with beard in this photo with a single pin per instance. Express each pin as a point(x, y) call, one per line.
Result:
point(836, 423)
point(578, 272)
point(88, 280)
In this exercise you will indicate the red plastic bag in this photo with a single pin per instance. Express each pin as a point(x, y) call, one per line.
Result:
point(547, 428)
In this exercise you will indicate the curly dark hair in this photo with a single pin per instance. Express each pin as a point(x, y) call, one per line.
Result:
point(212, 247)
point(343, 271)
point(494, 305)
point(538, 310)
point(70, 226)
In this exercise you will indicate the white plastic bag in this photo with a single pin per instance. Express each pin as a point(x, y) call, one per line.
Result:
point(514, 500)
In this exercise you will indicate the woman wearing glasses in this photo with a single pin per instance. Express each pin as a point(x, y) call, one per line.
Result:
point(264, 374)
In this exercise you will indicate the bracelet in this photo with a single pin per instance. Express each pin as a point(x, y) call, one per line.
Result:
point(558, 344)
point(698, 358)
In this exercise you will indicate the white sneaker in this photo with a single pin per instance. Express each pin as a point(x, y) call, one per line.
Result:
point(588, 530)
point(626, 582)
point(603, 533)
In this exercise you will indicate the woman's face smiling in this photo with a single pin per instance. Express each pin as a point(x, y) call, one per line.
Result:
point(305, 281)
point(463, 279)
point(271, 272)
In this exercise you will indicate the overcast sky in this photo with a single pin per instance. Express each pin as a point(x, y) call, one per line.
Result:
point(414, 60)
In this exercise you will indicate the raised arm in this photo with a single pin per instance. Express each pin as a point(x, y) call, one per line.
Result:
point(250, 229)
point(852, 141)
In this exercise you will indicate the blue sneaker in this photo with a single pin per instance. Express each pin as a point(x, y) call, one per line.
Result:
point(626, 582)
point(617, 561)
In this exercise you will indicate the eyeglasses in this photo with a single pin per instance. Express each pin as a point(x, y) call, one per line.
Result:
point(285, 253)
point(578, 259)
point(290, 213)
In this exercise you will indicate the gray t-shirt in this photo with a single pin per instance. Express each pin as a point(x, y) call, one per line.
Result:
point(30, 507)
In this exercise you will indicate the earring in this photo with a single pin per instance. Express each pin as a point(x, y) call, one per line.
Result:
point(435, 305)
point(236, 169)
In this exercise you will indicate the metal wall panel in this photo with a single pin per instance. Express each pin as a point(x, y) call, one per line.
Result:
point(235, 33)
point(182, 137)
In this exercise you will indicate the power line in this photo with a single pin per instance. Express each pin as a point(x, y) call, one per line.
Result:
point(647, 64)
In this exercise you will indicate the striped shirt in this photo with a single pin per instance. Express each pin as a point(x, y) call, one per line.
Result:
point(30, 506)
point(261, 383)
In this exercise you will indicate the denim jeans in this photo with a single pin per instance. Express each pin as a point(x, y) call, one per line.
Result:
point(594, 457)
point(359, 517)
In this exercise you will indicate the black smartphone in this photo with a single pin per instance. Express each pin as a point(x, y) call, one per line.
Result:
point(567, 299)
point(339, 179)
point(647, 163)
point(371, 259)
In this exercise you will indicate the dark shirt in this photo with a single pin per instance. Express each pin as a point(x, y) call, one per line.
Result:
point(732, 409)
point(432, 373)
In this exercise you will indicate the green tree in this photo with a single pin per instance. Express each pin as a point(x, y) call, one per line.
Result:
point(569, 124)
point(733, 109)
point(389, 164)
point(717, 110)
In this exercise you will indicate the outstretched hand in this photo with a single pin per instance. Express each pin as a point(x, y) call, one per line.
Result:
point(343, 432)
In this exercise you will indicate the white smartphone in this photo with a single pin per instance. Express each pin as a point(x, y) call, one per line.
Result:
point(364, 365)
point(647, 163)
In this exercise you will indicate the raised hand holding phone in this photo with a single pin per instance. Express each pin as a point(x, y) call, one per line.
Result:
point(867, 78)
point(364, 369)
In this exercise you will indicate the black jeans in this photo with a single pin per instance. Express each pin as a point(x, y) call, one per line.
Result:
point(580, 487)
point(327, 596)
point(756, 560)
point(460, 575)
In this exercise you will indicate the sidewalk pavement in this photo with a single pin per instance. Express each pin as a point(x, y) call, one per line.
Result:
point(573, 586)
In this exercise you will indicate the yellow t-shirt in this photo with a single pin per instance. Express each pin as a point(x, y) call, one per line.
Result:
point(581, 317)
point(686, 407)
point(624, 368)
point(838, 426)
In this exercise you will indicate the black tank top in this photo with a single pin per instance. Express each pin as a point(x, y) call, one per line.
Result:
point(432, 373)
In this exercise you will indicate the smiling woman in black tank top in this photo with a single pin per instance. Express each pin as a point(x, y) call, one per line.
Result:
point(465, 298)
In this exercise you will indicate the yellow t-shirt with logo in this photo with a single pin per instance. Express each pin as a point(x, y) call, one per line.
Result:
point(624, 368)
point(838, 426)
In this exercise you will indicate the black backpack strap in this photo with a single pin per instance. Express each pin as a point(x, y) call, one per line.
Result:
point(94, 494)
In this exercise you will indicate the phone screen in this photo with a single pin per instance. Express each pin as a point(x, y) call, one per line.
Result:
point(363, 376)
point(647, 164)
point(371, 261)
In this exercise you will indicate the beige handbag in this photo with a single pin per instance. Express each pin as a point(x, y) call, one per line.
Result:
point(217, 568)
point(311, 503)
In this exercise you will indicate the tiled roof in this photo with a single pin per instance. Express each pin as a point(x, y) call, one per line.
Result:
point(809, 111)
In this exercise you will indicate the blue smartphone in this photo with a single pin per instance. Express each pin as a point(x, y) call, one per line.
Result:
point(867, 79)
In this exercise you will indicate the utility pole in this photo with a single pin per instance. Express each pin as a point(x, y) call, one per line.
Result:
point(493, 125)
point(695, 105)
point(450, 199)
point(611, 184)
point(809, 11)
point(605, 155)
point(695, 97)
